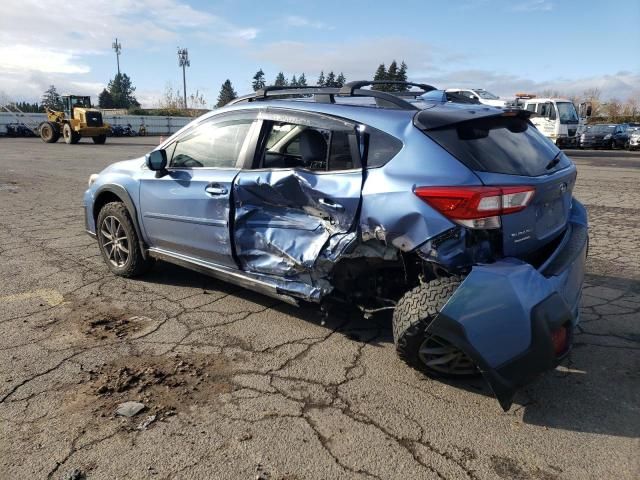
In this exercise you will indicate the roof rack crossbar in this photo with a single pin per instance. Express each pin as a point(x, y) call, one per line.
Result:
point(326, 95)
point(350, 87)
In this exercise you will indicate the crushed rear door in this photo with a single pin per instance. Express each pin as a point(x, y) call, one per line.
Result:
point(302, 200)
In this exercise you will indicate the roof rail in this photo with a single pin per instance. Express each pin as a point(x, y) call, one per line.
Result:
point(328, 94)
point(350, 87)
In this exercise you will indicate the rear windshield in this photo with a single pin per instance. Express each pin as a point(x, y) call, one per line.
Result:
point(601, 128)
point(510, 145)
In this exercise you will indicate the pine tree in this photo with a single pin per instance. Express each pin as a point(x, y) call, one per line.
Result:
point(121, 90)
point(258, 81)
point(105, 100)
point(294, 81)
point(302, 80)
point(331, 80)
point(281, 80)
point(402, 77)
point(227, 93)
point(321, 79)
point(341, 80)
point(51, 99)
point(381, 74)
point(392, 76)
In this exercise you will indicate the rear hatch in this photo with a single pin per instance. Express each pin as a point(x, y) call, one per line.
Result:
point(504, 149)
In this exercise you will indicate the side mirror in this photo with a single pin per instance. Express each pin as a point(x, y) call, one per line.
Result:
point(157, 160)
point(589, 111)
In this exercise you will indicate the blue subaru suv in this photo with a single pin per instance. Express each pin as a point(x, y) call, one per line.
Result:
point(458, 218)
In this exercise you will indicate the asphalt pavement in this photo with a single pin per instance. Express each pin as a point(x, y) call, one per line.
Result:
point(236, 385)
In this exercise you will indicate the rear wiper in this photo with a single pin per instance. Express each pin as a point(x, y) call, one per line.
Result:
point(554, 161)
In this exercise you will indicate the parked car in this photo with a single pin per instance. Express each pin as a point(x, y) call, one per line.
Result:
point(479, 94)
point(604, 136)
point(18, 130)
point(633, 143)
point(458, 218)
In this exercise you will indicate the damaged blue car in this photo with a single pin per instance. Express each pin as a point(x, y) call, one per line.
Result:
point(457, 217)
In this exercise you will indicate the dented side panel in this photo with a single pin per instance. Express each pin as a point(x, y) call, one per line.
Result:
point(391, 212)
point(284, 218)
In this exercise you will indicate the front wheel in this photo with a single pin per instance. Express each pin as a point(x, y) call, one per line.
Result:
point(70, 136)
point(100, 139)
point(118, 241)
point(415, 344)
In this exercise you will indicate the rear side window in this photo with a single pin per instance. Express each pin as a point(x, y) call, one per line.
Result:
point(510, 145)
point(382, 147)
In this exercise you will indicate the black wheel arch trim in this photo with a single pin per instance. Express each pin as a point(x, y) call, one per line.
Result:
point(123, 195)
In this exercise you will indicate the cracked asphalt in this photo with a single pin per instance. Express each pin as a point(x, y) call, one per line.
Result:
point(237, 385)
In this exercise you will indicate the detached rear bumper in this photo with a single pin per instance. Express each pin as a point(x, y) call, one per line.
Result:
point(503, 314)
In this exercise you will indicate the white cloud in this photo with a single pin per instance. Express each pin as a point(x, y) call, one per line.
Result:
point(17, 58)
point(303, 22)
point(533, 6)
point(41, 42)
point(621, 85)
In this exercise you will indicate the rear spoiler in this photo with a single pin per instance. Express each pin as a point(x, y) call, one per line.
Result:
point(440, 116)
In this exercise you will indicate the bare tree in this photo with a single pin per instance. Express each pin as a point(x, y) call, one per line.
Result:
point(171, 98)
point(631, 106)
point(593, 95)
point(197, 101)
point(613, 109)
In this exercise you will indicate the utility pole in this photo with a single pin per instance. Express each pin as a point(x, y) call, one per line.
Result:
point(183, 61)
point(117, 47)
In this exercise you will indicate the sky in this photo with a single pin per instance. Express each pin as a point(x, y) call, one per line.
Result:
point(500, 45)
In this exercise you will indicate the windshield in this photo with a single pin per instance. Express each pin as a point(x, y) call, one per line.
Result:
point(486, 95)
point(602, 129)
point(567, 112)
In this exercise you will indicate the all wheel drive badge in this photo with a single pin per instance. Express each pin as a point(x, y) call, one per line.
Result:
point(563, 187)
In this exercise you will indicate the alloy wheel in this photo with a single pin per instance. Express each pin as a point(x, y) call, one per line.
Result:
point(440, 356)
point(115, 241)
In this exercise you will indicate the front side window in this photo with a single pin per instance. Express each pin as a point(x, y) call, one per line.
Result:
point(211, 145)
point(567, 112)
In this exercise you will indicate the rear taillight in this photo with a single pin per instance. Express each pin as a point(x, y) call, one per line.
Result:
point(477, 207)
point(560, 340)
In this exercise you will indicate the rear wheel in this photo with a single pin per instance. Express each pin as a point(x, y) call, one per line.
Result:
point(118, 241)
point(100, 139)
point(49, 132)
point(71, 137)
point(415, 344)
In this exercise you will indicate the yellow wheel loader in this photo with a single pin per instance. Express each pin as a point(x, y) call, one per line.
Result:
point(76, 120)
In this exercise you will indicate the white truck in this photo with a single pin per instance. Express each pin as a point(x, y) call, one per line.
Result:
point(556, 118)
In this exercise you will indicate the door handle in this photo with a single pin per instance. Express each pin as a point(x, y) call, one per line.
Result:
point(327, 202)
point(215, 190)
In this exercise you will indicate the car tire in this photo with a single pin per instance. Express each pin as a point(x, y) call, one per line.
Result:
point(415, 345)
point(70, 136)
point(119, 243)
point(99, 139)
